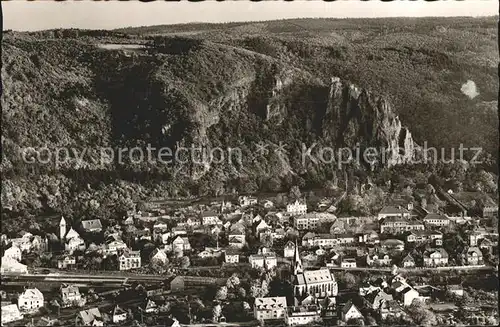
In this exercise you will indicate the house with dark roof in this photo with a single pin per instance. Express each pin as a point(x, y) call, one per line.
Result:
point(266, 308)
point(350, 311)
point(407, 261)
point(90, 317)
point(118, 315)
point(393, 211)
point(436, 257)
point(93, 225)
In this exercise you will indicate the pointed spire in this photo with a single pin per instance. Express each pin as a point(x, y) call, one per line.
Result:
point(297, 269)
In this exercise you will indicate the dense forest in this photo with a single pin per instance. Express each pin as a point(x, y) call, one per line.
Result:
point(400, 83)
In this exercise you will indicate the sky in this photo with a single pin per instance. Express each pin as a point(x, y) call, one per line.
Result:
point(22, 15)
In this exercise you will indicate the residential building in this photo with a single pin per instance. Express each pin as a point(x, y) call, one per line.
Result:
point(72, 234)
point(158, 256)
point(392, 245)
point(231, 257)
point(348, 263)
point(296, 208)
point(263, 259)
point(150, 307)
point(93, 225)
point(313, 220)
point(261, 227)
point(435, 257)
point(323, 240)
point(350, 311)
point(210, 218)
point(66, 261)
point(302, 315)
point(407, 261)
point(422, 236)
point(397, 225)
point(130, 260)
point(408, 295)
point(266, 308)
point(345, 238)
point(375, 299)
point(115, 246)
point(90, 317)
point(289, 250)
point(436, 219)
point(471, 255)
point(370, 237)
point(10, 313)
point(246, 201)
point(31, 299)
point(393, 211)
point(70, 295)
point(13, 252)
point(74, 244)
point(378, 259)
point(179, 244)
point(457, 290)
point(118, 315)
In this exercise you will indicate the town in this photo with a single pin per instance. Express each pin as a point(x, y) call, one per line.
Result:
point(248, 261)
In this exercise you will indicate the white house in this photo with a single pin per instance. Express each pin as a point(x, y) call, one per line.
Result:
point(246, 201)
point(231, 257)
point(263, 259)
point(70, 294)
point(66, 261)
point(349, 311)
point(296, 208)
point(115, 246)
point(74, 244)
point(130, 260)
point(158, 256)
point(289, 250)
point(13, 252)
point(118, 315)
point(210, 218)
point(31, 299)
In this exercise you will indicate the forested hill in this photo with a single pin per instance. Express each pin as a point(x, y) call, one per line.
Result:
point(373, 82)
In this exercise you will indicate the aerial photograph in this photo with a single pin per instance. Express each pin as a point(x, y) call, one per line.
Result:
point(241, 163)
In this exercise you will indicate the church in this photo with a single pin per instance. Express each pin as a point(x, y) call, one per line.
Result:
point(317, 283)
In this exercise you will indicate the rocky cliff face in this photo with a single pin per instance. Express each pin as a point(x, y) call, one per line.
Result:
point(214, 96)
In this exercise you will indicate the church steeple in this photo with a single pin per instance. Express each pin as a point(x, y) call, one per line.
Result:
point(297, 262)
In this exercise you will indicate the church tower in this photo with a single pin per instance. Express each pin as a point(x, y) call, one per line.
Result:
point(297, 262)
point(62, 229)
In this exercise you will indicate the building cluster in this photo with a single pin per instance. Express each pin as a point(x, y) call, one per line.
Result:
point(310, 243)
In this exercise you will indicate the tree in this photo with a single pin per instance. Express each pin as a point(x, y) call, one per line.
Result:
point(420, 315)
point(349, 280)
point(232, 282)
point(259, 288)
point(184, 262)
point(242, 293)
point(216, 312)
point(295, 192)
point(221, 293)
